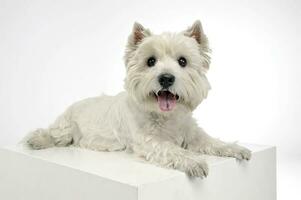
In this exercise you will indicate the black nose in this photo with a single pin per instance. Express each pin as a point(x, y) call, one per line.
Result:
point(166, 80)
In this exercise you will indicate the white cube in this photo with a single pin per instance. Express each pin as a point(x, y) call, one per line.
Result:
point(78, 174)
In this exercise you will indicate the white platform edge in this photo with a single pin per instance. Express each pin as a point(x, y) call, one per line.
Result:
point(97, 160)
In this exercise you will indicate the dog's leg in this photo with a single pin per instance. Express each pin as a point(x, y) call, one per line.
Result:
point(62, 133)
point(200, 141)
point(167, 154)
point(40, 139)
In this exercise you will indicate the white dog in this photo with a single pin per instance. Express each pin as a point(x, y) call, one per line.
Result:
point(165, 82)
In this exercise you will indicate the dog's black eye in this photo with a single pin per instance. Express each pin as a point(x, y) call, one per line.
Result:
point(182, 61)
point(151, 61)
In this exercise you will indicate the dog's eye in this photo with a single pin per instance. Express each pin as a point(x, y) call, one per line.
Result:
point(182, 61)
point(151, 61)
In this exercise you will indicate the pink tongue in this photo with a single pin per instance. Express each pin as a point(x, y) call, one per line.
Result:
point(166, 101)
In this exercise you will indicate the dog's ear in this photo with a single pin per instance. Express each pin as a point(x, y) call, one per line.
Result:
point(138, 34)
point(196, 31)
point(135, 38)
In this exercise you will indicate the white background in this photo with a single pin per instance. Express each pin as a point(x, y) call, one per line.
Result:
point(53, 53)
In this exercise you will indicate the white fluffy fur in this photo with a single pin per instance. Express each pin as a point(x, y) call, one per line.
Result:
point(132, 119)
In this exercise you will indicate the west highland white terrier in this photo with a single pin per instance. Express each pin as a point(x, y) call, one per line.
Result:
point(165, 81)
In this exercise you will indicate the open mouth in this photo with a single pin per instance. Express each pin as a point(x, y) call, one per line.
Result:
point(166, 100)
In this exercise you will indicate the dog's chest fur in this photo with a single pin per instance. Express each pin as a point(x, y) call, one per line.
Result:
point(172, 128)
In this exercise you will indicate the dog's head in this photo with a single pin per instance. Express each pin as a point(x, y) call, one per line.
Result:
point(166, 72)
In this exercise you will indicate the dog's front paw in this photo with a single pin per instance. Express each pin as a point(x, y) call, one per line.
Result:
point(239, 152)
point(196, 168)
